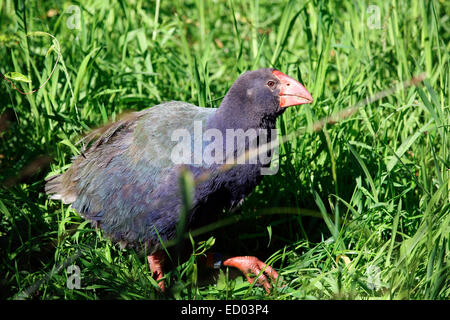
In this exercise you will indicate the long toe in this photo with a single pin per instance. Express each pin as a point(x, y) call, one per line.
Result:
point(249, 266)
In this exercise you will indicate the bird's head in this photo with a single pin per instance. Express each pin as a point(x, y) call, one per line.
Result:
point(265, 92)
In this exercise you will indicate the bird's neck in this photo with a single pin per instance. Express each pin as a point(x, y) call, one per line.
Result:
point(232, 114)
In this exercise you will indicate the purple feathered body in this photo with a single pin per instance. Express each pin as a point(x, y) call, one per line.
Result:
point(127, 183)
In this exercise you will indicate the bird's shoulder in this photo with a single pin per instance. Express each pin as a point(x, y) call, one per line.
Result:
point(155, 134)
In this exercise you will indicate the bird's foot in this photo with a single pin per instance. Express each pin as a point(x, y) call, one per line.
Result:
point(251, 265)
point(156, 262)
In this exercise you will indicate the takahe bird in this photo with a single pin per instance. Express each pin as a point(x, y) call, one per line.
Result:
point(127, 182)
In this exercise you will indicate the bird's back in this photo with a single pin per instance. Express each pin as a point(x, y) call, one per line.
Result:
point(122, 181)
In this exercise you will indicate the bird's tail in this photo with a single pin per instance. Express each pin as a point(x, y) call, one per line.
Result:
point(58, 188)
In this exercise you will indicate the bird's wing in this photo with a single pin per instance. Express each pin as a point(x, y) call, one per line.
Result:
point(113, 180)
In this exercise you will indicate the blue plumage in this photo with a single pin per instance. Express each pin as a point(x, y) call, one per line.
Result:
point(127, 183)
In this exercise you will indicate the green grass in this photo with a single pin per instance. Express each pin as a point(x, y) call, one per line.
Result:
point(358, 210)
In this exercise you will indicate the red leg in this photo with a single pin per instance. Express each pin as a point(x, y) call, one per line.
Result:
point(156, 262)
point(248, 265)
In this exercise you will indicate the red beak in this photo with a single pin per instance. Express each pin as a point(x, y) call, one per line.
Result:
point(292, 92)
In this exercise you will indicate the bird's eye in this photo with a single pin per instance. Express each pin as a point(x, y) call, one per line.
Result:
point(270, 83)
